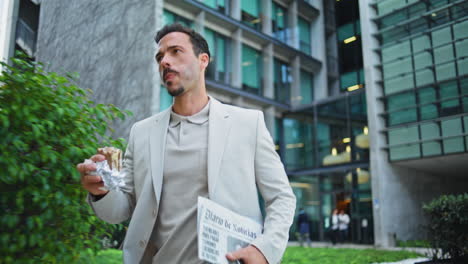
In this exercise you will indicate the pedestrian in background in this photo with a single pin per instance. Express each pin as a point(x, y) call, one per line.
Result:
point(343, 224)
point(334, 227)
point(303, 227)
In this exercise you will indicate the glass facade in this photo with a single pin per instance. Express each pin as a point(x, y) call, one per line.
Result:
point(170, 18)
point(304, 36)
point(250, 13)
point(349, 45)
point(220, 5)
point(251, 70)
point(326, 135)
point(424, 72)
point(220, 61)
point(298, 139)
point(279, 20)
point(348, 190)
point(282, 81)
point(307, 87)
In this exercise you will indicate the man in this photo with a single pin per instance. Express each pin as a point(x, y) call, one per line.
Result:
point(170, 161)
point(304, 227)
point(343, 223)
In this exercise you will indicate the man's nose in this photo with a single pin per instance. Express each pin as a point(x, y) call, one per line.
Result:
point(165, 63)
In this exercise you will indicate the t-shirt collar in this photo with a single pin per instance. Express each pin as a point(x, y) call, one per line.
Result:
point(199, 118)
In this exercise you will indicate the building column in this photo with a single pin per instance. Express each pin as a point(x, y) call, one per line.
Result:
point(293, 28)
point(319, 51)
point(236, 80)
point(8, 18)
point(200, 23)
point(268, 85)
point(296, 81)
point(266, 17)
point(235, 10)
point(269, 113)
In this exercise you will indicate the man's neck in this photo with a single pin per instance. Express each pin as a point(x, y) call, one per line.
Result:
point(190, 103)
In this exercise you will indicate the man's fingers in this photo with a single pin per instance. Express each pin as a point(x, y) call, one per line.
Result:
point(236, 255)
point(92, 179)
point(84, 168)
point(98, 157)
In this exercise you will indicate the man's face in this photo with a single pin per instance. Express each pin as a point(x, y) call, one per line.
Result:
point(179, 68)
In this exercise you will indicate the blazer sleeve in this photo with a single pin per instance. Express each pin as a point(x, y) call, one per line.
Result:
point(117, 205)
point(280, 202)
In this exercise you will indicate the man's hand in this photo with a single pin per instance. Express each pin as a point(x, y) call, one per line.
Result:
point(91, 183)
point(248, 255)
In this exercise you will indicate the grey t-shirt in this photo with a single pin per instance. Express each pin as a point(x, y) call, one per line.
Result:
point(174, 239)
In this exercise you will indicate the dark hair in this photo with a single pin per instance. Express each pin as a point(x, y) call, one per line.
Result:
point(198, 41)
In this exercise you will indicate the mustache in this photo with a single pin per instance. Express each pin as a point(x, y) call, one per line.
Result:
point(168, 70)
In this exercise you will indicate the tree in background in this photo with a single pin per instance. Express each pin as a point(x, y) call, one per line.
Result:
point(47, 126)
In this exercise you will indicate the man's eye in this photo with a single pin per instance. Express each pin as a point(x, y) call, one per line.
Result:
point(177, 50)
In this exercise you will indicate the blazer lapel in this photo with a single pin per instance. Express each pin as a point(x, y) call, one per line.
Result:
point(157, 148)
point(218, 132)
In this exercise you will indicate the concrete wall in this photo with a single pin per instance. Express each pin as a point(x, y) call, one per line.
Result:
point(110, 45)
point(8, 17)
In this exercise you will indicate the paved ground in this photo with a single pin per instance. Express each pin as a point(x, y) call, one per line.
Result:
point(406, 261)
point(423, 251)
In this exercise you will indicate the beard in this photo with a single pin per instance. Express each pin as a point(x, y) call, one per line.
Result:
point(177, 91)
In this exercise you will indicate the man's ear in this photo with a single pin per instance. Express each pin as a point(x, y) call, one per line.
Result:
point(205, 60)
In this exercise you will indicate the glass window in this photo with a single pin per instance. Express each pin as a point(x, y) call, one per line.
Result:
point(352, 80)
point(398, 67)
point(396, 51)
point(449, 106)
point(304, 36)
point(430, 131)
point(298, 142)
point(220, 5)
point(398, 84)
point(393, 19)
point(307, 87)
point(421, 43)
point(441, 36)
point(404, 135)
point(397, 102)
point(460, 30)
point(459, 11)
point(333, 134)
point(251, 13)
point(388, 6)
point(452, 127)
point(428, 111)
point(218, 69)
point(251, 70)
point(306, 190)
point(170, 18)
point(282, 81)
point(279, 21)
point(348, 30)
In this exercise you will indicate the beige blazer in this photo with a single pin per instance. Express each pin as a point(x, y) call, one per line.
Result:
point(242, 162)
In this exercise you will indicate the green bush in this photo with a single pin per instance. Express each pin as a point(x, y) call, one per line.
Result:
point(413, 243)
point(47, 126)
point(448, 225)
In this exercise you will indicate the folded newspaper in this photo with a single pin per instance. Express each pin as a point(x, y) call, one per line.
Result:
point(221, 231)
